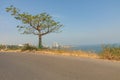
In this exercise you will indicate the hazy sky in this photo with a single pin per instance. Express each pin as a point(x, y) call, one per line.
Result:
point(85, 21)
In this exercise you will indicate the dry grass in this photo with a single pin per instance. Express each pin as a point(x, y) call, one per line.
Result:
point(110, 53)
point(10, 50)
point(59, 52)
point(70, 53)
point(107, 54)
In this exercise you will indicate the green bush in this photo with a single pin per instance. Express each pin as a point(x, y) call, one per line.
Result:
point(2, 47)
point(28, 47)
point(13, 47)
point(111, 52)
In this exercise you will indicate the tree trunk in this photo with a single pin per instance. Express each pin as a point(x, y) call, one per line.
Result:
point(40, 42)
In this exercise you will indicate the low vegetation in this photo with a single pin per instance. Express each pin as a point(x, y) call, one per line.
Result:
point(2, 47)
point(28, 47)
point(108, 52)
point(77, 53)
point(111, 52)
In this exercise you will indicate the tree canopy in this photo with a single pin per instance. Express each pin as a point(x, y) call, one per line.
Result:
point(40, 24)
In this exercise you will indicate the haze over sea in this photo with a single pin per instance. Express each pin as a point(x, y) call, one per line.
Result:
point(94, 48)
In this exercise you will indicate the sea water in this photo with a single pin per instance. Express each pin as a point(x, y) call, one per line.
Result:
point(93, 48)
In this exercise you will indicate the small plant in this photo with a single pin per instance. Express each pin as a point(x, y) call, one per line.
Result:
point(28, 47)
point(13, 47)
point(111, 53)
point(2, 47)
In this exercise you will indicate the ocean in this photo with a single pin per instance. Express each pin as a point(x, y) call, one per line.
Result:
point(93, 48)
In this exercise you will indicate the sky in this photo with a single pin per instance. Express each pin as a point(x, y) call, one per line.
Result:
point(85, 22)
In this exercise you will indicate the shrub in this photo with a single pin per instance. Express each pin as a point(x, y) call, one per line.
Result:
point(28, 47)
point(2, 47)
point(111, 52)
point(13, 47)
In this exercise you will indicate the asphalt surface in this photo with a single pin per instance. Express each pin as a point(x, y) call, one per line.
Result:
point(28, 66)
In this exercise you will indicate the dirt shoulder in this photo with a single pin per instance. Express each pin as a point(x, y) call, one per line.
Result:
point(59, 52)
point(78, 54)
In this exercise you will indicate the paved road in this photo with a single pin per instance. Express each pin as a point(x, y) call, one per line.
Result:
point(23, 66)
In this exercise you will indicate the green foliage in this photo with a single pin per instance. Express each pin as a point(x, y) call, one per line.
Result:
point(13, 47)
point(40, 24)
point(2, 47)
point(40, 47)
point(111, 52)
point(28, 47)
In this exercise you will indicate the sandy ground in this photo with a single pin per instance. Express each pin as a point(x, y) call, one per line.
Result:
point(81, 54)
point(62, 53)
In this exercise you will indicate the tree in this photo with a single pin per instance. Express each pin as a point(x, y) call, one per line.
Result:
point(40, 24)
